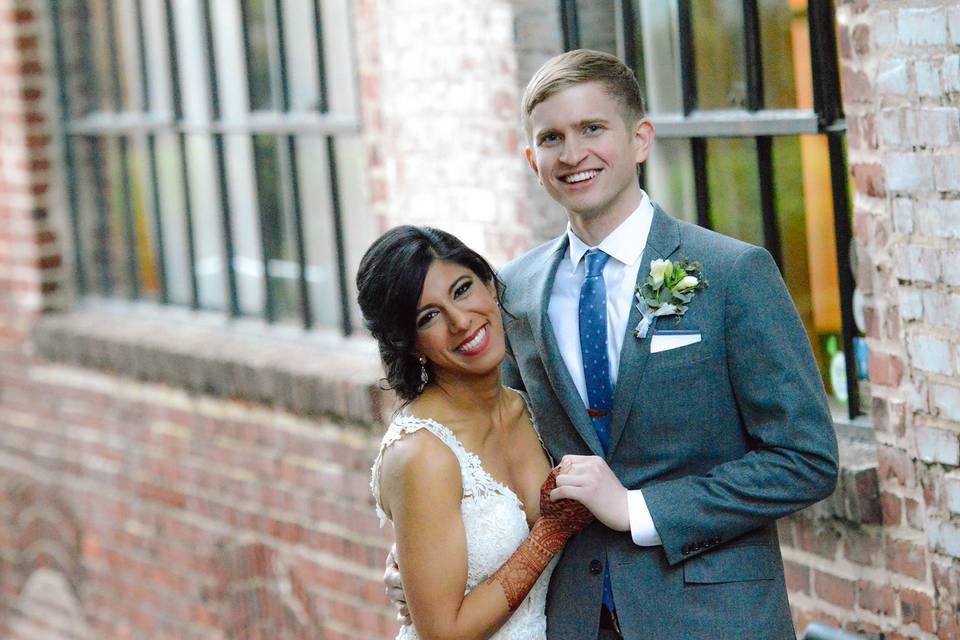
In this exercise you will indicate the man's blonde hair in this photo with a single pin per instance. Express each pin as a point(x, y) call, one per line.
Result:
point(579, 67)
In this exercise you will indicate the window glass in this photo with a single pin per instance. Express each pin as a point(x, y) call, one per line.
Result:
point(596, 25)
point(303, 74)
point(207, 221)
point(248, 254)
point(734, 188)
point(174, 228)
point(258, 54)
point(718, 53)
point(338, 53)
point(661, 58)
point(669, 177)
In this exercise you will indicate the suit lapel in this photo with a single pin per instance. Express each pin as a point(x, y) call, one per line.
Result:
point(549, 350)
point(663, 241)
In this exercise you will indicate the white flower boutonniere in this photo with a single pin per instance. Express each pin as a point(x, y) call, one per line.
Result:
point(668, 291)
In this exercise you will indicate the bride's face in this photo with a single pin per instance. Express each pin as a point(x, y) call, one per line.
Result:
point(459, 328)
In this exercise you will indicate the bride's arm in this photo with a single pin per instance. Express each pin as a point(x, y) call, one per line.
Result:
point(421, 489)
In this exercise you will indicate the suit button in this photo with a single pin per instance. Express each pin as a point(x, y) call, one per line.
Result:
point(595, 567)
point(685, 549)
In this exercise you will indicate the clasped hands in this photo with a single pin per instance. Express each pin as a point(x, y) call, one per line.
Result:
point(577, 490)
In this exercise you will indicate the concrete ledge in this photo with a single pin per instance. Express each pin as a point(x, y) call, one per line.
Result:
point(306, 373)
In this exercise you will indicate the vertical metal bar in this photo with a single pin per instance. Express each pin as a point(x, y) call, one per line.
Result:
point(80, 272)
point(151, 142)
point(753, 59)
point(753, 55)
point(101, 250)
point(228, 251)
point(688, 89)
point(844, 236)
point(289, 176)
point(323, 105)
point(569, 25)
point(625, 22)
point(247, 49)
point(698, 148)
point(267, 232)
point(182, 150)
point(269, 311)
point(768, 204)
point(688, 59)
point(306, 312)
point(824, 62)
point(339, 237)
point(346, 322)
point(129, 226)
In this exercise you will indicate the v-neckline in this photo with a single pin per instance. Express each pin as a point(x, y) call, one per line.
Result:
point(503, 487)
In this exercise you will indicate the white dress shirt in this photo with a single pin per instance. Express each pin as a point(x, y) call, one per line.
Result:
point(624, 245)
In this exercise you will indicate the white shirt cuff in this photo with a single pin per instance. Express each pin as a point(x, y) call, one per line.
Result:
point(641, 524)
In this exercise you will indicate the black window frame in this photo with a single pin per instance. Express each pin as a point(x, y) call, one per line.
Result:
point(279, 122)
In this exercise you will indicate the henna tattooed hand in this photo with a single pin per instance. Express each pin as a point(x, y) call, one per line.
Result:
point(564, 518)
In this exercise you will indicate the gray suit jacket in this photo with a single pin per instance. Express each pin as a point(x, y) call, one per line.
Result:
point(723, 436)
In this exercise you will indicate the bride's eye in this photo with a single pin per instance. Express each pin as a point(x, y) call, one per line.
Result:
point(463, 288)
point(425, 319)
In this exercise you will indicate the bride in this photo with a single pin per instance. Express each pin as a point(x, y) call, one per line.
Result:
point(461, 472)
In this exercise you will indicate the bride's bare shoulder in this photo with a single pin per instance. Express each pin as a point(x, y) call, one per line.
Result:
point(417, 463)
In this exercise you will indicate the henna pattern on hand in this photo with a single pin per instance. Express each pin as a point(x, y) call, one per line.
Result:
point(558, 522)
point(570, 513)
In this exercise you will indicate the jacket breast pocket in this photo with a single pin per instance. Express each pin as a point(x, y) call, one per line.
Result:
point(737, 563)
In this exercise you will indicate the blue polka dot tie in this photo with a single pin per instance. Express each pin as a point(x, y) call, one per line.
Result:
point(596, 364)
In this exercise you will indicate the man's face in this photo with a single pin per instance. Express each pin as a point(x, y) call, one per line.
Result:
point(585, 154)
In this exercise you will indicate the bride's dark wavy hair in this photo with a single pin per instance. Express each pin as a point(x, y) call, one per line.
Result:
point(389, 285)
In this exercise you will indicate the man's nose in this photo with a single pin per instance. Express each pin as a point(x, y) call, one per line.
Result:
point(573, 152)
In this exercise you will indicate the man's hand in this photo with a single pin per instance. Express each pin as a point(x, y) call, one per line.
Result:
point(589, 481)
point(394, 588)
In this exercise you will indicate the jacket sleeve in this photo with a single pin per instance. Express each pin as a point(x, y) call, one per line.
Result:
point(783, 408)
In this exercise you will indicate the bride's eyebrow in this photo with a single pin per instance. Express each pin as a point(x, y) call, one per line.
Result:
point(453, 286)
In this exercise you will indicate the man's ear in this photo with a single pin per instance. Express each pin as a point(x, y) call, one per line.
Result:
point(642, 139)
point(532, 161)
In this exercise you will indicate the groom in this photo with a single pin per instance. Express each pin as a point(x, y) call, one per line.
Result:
point(687, 423)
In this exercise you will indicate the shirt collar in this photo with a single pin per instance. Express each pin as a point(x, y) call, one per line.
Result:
point(625, 243)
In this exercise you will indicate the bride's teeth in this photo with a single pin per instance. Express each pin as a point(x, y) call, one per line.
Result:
point(473, 344)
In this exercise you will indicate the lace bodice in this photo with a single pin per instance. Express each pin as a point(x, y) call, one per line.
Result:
point(495, 525)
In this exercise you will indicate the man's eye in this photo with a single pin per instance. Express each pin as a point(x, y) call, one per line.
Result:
point(549, 138)
point(594, 128)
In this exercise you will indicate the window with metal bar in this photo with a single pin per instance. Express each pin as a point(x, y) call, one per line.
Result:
point(745, 98)
point(213, 156)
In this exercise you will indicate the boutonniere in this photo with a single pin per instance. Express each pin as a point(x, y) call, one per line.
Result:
point(668, 291)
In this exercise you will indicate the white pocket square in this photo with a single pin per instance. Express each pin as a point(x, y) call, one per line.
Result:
point(664, 341)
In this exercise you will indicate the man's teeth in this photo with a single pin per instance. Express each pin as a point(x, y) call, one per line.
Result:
point(580, 177)
point(473, 344)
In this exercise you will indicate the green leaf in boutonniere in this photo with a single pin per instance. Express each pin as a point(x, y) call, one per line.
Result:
point(668, 291)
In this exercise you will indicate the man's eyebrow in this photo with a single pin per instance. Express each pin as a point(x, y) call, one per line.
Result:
point(582, 123)
point(452, 287)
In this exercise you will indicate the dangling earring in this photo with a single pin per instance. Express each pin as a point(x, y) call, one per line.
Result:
point(424, 378)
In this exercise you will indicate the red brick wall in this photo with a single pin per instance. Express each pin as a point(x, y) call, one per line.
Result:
point(136, 510)
point(181, 516)
point(29, 256)
point(901, 84)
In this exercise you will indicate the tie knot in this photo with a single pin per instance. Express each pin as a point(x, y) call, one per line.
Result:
point(596, 259)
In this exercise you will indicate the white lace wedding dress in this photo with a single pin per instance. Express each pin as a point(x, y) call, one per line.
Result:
point(495, 524)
